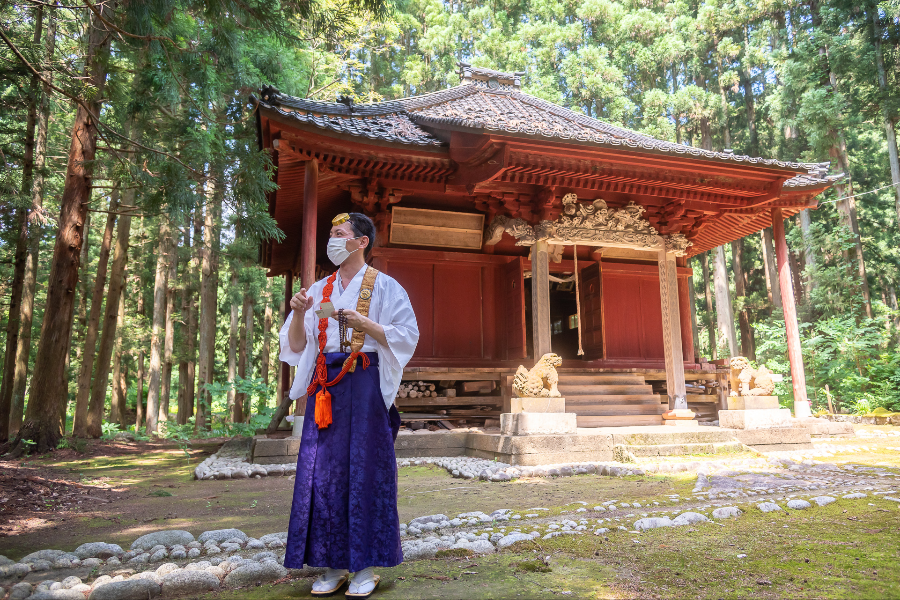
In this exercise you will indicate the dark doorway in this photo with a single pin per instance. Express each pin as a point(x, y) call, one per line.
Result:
point(563, 318)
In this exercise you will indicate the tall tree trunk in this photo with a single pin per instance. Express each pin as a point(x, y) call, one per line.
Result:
point(82, 397)
point(13, 322)
point(111, 321)
point(892, 294)
point(42, 424)
point(35, 231)
point(768, 246)
point(139, 396)
point(724, 311)
point(809, 254)
point(749, 103)
point(208, 302)
point(159, 324)
point(710, 309)
point(748, 347)
point(245, 351)
point(264, 362)
point(187, 368)
point(887, 119)
point(169, 338)
point(232, 410)
point(120, 373)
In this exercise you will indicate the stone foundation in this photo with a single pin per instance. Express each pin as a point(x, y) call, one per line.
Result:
point(755, 419)
point(546, 423)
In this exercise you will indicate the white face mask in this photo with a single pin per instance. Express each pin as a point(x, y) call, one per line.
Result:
point(337, 250)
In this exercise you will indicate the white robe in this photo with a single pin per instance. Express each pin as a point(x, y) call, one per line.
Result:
point(390, 308)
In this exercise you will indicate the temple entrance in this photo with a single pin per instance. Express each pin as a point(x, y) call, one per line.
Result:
point(564, 317)
point(564, 320)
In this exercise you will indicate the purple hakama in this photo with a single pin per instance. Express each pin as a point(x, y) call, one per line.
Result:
point(344, 514)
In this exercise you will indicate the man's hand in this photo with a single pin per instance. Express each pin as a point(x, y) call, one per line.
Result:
point(301, 302)
point(354, 319)
point(357, 322)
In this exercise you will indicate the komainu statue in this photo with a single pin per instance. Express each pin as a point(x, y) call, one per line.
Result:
point(539, 382)
point(747, 381)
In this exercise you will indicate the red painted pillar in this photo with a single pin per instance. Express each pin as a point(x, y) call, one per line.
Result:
point(310, 210)
point(795, 355)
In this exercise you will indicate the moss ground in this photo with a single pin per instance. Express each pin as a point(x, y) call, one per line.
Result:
point(847, 549)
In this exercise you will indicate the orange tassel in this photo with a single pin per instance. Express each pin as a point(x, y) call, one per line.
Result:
point(323, 408)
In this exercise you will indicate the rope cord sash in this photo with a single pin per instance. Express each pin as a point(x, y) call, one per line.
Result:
point(320, 374)
point(577, 299)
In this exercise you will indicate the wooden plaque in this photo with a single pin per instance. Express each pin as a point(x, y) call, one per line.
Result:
point(444, 229)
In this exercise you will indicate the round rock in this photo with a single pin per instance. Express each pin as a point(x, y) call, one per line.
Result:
point(653, 523)
point(183, 583)
point(689, 518)
point(131, 589)
point(768, 507)
point(222, 535)
point(727, 512)
point(98, 550)
point(253, 573)
point(797, 504)
point(166, 538)
point(824, 500)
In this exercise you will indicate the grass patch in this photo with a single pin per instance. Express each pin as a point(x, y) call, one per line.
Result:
point(533, 566)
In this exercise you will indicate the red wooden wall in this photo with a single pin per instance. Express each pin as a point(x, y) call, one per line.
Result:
point(470, 308)
point(633, 315)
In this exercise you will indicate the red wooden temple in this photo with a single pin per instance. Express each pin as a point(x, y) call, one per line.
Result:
point(484, 197)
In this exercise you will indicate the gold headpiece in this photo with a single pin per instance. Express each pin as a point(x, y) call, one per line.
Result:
point(341, 218)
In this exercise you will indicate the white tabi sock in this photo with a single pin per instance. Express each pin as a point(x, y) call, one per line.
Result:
point(363, 581)
point(329, 579)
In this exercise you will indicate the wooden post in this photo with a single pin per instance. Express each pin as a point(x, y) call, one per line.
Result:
point(795, 354)
point(671, 318)
point(310, 210)
point(540, 299)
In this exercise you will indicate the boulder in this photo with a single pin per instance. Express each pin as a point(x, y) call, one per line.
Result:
point(797, 504)
point(511, 539)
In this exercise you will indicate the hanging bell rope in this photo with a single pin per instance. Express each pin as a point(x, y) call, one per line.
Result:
point(577, 299)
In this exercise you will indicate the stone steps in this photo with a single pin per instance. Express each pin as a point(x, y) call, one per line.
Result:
point(612, 400)
point(619, 420)
point(590, 379)
point(604, 409)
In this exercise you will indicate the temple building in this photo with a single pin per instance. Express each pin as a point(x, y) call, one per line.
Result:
point(519, 227)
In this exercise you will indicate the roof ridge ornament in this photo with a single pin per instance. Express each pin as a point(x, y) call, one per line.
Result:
point(488, 78)
point(590, 225)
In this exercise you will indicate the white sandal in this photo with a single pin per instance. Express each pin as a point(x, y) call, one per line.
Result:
point(350, 594)
point(338, 584)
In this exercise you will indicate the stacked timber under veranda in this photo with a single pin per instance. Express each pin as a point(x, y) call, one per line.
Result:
point(518, 228)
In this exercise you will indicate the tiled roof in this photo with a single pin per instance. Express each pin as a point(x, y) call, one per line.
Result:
point(497, 108)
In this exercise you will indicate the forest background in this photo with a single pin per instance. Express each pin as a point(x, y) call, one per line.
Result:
point(134, 193)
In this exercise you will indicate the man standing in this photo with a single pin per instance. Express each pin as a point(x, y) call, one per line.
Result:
point(350, 336)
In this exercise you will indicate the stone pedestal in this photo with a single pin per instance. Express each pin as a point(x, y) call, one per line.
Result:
point(752, 402)
point(274, 451)
point(763, 418)
point(538, 405)
point(531, 423)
